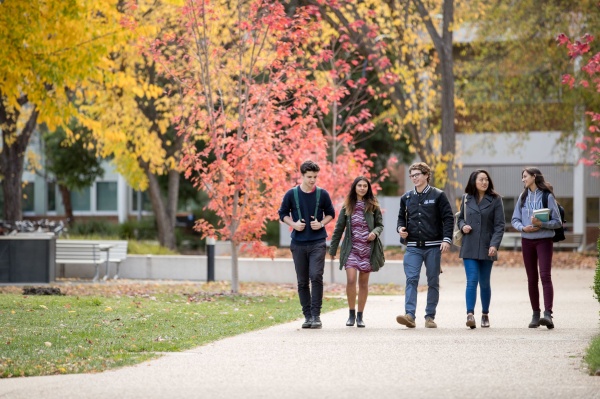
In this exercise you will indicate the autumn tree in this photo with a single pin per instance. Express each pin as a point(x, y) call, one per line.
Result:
point(412, 54)
point(588, 78)
point(248, 100)
point(50, 50)
point(347, 78)
point(131, 110)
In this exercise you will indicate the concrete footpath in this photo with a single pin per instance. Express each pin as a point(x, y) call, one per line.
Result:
point(384, 360)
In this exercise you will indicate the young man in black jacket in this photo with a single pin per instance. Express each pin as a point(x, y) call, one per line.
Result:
point(425, 224)
point(307, 209)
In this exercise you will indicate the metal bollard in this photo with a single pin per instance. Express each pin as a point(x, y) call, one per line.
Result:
point(210, 258)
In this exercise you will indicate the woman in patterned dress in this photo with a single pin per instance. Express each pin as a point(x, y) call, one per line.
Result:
point(361, 251)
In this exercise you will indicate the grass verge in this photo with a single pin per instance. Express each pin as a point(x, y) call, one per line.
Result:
point(101, 326)
point(592, 356)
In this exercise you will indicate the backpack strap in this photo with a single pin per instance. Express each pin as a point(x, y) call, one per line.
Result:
point(295, 189)
point(297, 200)
point(318, 201)
point(545, 195)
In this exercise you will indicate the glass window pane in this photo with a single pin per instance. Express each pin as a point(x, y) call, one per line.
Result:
point(567, 203)
point(80, 200)
point(146, 204)
point(28, 204)
point(106, 196)
point(509, 207)
point(51, 196)
point(593, 210)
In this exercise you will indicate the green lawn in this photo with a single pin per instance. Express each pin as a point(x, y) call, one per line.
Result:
point(77, 333)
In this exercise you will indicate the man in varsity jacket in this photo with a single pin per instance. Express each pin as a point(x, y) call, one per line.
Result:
point(425, 224)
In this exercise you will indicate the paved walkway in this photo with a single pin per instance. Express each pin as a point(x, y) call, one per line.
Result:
point(384, 360)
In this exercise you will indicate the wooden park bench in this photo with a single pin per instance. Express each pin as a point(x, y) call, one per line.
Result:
point(572, 241)
point(511, 240)
point(80, 252)
point(117, 252)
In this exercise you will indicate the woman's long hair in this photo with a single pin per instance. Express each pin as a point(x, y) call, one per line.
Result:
point(371, 203)
point(539, 181)
point(471, 188)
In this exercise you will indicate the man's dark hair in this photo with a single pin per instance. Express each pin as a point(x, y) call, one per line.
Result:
point(309, 166)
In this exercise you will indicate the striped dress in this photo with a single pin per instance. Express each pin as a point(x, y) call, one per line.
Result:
point(360, 253)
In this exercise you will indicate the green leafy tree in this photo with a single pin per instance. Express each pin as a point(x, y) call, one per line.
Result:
point(510, 72)
point(412, 53)
point(72, 161)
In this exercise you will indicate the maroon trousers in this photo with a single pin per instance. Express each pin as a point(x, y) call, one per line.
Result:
point(534, 252)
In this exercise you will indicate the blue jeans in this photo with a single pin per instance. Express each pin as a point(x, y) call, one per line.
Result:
point(413, 260)
point(309, 261)
point(478, 273)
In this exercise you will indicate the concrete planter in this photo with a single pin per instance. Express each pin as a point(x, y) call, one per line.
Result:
point(194, 268)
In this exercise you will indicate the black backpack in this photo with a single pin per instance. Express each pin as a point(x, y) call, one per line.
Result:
point(559, 234)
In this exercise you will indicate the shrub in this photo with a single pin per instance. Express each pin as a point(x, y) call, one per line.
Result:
point(94, 228)
point(144, 229)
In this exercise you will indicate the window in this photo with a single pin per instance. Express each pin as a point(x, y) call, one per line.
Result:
point(80, 200)
point(592, 210)
point(567, 203)
point(28, 204)
point(106, 196)
point(51, 196)
point(509, 207)
point(146, 204)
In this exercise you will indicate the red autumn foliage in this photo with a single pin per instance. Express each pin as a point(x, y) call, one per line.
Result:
point(578, 50)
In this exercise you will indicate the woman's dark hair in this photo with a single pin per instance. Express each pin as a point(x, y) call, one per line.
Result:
point(471, 188)
point(539, 181)
point(371, 203)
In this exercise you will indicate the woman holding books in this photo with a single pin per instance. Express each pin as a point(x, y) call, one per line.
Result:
point(481, 219)
point(536, 240)
point(362, 251)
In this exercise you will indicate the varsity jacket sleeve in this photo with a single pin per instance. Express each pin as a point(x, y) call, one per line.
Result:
point(447, 217)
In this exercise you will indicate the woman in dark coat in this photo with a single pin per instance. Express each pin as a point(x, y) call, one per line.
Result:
point(361, 252)
point(481, 220)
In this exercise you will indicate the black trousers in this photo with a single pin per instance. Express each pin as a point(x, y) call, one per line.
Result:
point(309, 261)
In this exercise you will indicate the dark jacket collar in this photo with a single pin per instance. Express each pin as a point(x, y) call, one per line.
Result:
point(425, 190)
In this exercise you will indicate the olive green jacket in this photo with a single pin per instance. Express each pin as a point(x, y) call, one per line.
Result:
point(375, 223)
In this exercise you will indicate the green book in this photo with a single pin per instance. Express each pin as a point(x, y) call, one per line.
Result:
point(542, 214)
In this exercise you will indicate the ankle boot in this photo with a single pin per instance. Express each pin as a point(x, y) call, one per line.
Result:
point(359, 320)
point(352, 318)
point(535, 320)
point(547, 320)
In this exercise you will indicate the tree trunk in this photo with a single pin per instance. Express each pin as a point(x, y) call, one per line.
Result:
point(443, 46)
point(14, 147)
point(235, 284)
point(65, 194)
point(164, 213)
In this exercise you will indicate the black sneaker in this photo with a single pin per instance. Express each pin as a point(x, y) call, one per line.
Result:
point(307, 322)
point(316, 322)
